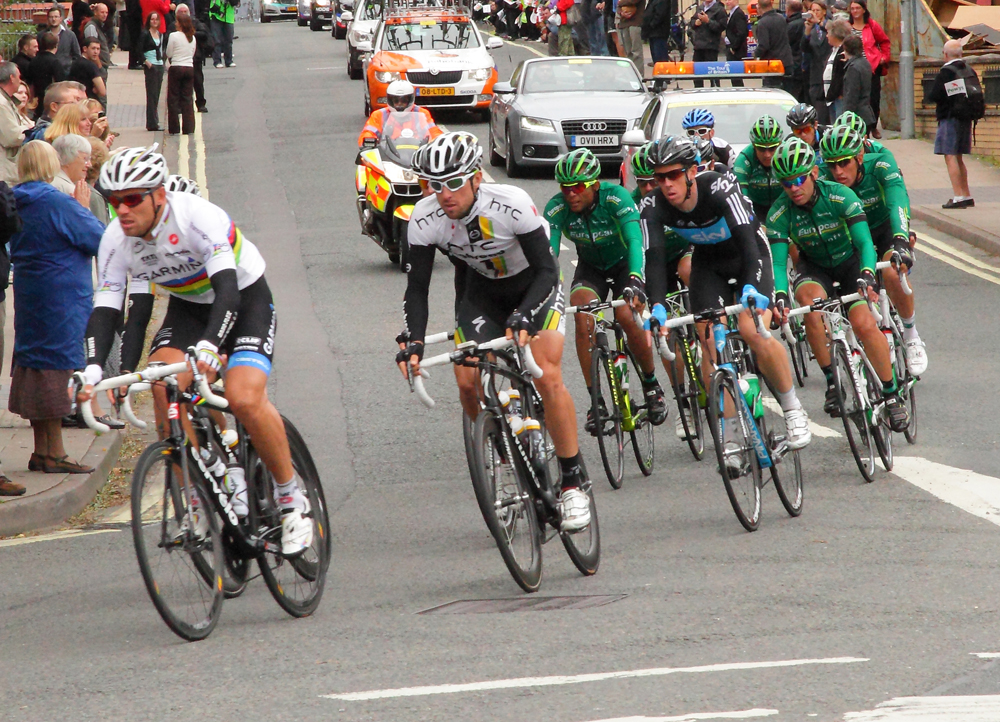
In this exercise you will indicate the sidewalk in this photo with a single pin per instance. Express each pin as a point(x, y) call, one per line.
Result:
point(52, 498)
point(929, 187)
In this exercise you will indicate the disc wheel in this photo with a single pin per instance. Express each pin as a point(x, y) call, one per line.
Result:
point(607, 416)
point(852, 412)
point(189, 603)
point(738, 463)
point(511, 515)
point(687, 389)
point(642, 435)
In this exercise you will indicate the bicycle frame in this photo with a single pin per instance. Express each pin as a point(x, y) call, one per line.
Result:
point(599, 340)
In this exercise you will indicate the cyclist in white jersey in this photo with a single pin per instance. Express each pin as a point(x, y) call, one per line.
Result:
point(219, 303)
point(512, 286)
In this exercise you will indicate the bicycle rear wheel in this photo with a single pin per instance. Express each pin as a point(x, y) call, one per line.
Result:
point(642, 435)
point(296, 583)
point(738, 463)
point(687, 389)
point(607, 416)
point(584, 547)
point(786, 472)
point(512, 518)
point(795, 352)
point(852, 411)
point(188, 600)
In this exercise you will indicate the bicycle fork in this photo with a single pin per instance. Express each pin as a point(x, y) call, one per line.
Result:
point(719, 335)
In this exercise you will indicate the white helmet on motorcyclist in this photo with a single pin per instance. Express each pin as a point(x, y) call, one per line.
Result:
point(400, 95)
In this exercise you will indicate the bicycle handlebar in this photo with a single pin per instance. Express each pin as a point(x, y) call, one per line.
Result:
point(896, 262)
point(596, 306)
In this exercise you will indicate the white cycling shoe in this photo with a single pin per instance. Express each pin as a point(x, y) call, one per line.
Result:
point(797, 428)
point(733, 457)
point(198, 530)
point(296, 530)
point(575, 507)
point(916, 356)
point(679, 424)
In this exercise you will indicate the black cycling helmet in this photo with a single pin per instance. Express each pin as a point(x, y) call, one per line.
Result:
point(706, 150)
point(801, 115)
point(673, 150)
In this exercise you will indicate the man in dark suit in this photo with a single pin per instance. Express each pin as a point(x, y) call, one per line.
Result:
point(771, 32)
point(737, 32)
point(706, 27)
point(796, 29)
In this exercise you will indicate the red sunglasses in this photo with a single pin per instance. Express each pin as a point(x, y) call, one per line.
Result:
point(131, 200)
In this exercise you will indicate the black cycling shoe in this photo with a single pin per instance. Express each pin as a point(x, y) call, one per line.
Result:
point(591, 424)
point(832, 404)
point(897, 413)
point(656, 405)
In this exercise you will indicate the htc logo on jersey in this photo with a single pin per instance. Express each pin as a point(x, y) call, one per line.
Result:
point(511, 211)
point(425, 220)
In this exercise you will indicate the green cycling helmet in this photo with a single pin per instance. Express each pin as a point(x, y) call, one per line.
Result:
point(841, 142)
point(641, 167)
point(578, 166)
point(793, 158)
point(766, 132)
point(853, 121)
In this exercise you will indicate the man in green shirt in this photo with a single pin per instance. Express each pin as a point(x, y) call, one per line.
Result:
point(752, 166)
point(602, 221)
point(222, 14)
point(826, 221)
point(879, 185)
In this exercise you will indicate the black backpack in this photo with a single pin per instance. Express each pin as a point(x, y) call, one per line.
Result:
point(969, 105)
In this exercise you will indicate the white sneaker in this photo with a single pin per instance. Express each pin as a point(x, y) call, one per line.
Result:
point(733, 456)
point(296, 531)
point(797, 428)
point(916, 356)
point(200, 526)
point(218, 65)
point(679, 424)
point(575, 508)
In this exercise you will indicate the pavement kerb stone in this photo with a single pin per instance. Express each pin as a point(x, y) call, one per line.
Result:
point(953, 227)
point(52, 507)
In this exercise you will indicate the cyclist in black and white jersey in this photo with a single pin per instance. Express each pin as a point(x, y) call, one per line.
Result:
point(512, 285)
point(220, 304)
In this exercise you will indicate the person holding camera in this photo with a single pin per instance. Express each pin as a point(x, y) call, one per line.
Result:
point(707, 27)
point(222, 14)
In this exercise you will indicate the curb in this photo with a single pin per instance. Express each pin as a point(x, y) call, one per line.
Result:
point(71, 496)
point(953, 227)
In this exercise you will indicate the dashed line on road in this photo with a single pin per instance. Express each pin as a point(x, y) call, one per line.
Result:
point(742, 714)
point(974, 493)
point(53, 536)
point(986, 655)
point(525, 682)
point(975, 708)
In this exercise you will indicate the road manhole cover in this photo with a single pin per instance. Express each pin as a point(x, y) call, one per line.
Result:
point(523, 604)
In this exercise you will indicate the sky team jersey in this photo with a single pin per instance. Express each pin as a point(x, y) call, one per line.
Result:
point(486, 239)
point(194, 240)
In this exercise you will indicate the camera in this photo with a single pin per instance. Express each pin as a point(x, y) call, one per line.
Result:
point(807, 16)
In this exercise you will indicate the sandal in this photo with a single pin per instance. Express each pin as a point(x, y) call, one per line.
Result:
point(65, 465)
point(36, 462)
point(9, 488)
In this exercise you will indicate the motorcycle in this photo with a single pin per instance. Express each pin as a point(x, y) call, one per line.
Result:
point(387, 188)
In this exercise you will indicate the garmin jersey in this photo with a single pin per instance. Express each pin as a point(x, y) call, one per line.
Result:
point(758, 183)
point(486, 239)
point(605, 236)
point(193, 241)
point(882, 192)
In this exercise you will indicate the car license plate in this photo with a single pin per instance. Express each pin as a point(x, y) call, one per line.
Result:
point(593, 140)
point(435, 91)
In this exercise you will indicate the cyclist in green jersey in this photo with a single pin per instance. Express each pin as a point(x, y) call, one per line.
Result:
point(645, 183)
point(603, 223)
point(752, 166)
point(876, 180)
point(853, 121)
point(827, 222)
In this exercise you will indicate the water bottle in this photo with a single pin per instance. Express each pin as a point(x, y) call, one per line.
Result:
point(236, 487)
point(515, 401)
point(533, 431)
point(750, 386)
point(230, 439)
point(621, 371)
point(891, 340)
point(213, 463)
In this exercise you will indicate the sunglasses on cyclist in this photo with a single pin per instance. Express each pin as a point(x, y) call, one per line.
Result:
point(692, 132)
point(452, 184)
point(842, 163)
point(576, 188)
point(645, 181)
point(131, 200)
point(794, 182)
point(670, 175)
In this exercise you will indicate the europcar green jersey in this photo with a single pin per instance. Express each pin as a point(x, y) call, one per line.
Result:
point(882, 192)
point(757, 182)
point(604, 236)
point(827, 231)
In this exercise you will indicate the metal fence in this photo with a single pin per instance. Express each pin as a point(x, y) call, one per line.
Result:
point(10, 33)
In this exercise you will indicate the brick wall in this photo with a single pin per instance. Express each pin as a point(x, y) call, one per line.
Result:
point(988, 129)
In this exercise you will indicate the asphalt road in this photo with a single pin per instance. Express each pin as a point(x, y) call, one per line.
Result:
point(888, 586)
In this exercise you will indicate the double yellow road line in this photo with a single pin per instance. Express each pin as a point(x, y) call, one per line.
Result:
point(946, 253)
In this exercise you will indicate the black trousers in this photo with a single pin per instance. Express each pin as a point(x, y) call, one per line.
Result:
point(817, 99)
point(154, 82)
point(199, 84)
point(731, 56)
point(180, 100)
point(876, 97)
point(705, 55)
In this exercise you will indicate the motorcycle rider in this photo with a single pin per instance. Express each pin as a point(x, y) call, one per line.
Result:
point(401, 98)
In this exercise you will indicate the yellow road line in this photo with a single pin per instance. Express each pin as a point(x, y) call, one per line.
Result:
point(944, 258)
point(182, 157)
point(951, 250)
point(199, 160)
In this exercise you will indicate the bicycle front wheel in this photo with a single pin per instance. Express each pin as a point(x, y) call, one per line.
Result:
point(512, 520)
point(607, 416)
point(852, 411)
point(584, 547)
point(738, 463)
point(907, 388)
point(687, 390)
point(880, 431)
point(188, 599)
point(798, 363)
point(642, 435)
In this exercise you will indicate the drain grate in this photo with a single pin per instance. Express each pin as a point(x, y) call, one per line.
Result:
point(523, 604)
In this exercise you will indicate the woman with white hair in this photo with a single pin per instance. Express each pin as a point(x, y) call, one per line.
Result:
point(74, 153)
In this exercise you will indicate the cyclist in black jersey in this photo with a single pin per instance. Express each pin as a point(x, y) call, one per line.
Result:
point(803, 121)
point(708, 210)
point(512, 285)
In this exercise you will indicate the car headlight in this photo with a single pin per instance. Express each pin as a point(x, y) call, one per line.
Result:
point(636, 122)
point(479, 74)
point(357, 37)
point(385, 76)
point(528, 123)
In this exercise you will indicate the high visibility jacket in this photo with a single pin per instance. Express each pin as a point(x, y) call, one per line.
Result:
point(376, 122)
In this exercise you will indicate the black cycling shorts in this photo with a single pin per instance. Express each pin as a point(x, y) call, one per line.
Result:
point(712, 270)
point(249, 343)
point(488, 303)
point(885, 242)
point(846, 275)
point(611, 280)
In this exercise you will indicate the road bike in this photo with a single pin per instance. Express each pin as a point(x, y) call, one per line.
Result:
point(188, 576)
point(615, 410)
point(513, 461)
point(794, 336)
point(747, 439)
point(892, 326)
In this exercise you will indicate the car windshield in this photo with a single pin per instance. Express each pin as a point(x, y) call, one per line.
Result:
point(581, 74)
point(430, 35)
point(733, 118)
point(402, 134)
point(369, 10)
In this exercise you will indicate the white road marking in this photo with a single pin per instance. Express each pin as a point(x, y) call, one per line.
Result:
point(64, 534)
point(817, 429)
point(574, 262)
point(530, 49)
point(563, 246)
point(743, 714)
point(986, 655)
point(979, 708)
point(328, 68)
point(969, 491)
point(523, 682)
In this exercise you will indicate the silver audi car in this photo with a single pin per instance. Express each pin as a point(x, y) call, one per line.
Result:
point(553, 105)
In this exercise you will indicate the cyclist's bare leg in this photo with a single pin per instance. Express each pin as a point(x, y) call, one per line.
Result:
point(807, 294)
point(468, 390)
point(771, 355)
point(868, 333)
point(638, 341)
point(246, 391)
point(560, 414)
point(584, 330)
point(684, 269)
point(170, 356)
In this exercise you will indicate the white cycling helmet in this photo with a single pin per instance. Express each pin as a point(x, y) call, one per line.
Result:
point(400, 95)
point(134, 168)
point(448, 155)
point(182, 185)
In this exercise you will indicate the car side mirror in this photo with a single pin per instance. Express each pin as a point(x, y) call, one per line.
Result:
point(365, 46)
point(347, 16)
point(632, 137)
point(493, 43)
point(503, 88)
